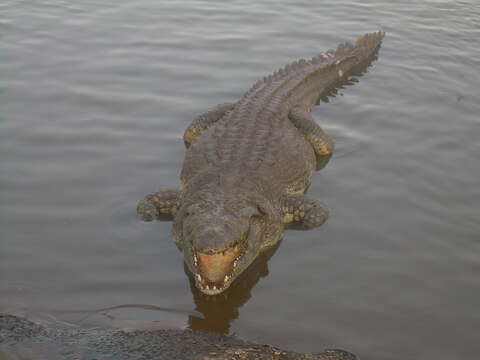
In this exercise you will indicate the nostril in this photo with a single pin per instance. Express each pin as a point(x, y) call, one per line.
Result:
point(189, 212)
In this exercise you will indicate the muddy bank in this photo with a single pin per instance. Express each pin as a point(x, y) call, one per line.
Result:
point(23, 339)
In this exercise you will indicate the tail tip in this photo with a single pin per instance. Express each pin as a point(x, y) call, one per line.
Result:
point(370, 39)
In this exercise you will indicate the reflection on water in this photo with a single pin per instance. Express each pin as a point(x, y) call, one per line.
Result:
point(211, 313)
point(220, 310)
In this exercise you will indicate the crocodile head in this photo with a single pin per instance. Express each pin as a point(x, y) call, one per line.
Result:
point(220, 238)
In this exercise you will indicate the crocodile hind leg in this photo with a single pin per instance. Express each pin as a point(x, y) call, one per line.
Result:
point(203, 121)
point(160, 204)
point(303, 211)
point(305, 123)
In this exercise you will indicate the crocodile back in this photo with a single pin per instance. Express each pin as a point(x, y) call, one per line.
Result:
point(256, 135)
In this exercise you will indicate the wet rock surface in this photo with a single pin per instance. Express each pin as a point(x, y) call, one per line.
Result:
point(23, 339)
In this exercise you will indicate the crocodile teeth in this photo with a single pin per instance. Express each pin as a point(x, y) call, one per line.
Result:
point(208, 287)
point(235, 263)
point(225, 279)
point(199, 278)
point(214, 287)
point(195, 260)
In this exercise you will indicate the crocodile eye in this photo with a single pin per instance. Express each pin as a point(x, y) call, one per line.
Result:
point(249, 211)
point(262, 210)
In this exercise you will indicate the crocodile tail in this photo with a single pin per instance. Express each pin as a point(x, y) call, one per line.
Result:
point(346, 58)
point(362, 49)
point(332, 67)
point(370, 42)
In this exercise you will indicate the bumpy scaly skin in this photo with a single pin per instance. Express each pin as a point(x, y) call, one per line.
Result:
point(248, 164)
point(202, 122)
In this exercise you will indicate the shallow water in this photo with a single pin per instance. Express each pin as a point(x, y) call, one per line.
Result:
point(94, 99)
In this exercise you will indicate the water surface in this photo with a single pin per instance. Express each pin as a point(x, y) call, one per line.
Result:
point(94, 99)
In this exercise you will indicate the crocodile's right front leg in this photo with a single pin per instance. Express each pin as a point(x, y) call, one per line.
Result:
point(303, 211)
point(163, 203)
point(203, 121)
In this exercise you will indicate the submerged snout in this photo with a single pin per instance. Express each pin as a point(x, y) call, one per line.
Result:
point(214, 267)
point(216, 244)
point(214, 272)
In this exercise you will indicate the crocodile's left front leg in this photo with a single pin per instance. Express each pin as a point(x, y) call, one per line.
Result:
point(163, 203)
point(303, 211)
point(305, 123)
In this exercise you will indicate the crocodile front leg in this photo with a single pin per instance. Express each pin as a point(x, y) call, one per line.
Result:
point(160, 204)
point(303, 121)
point(303, 211)
point(203, 121)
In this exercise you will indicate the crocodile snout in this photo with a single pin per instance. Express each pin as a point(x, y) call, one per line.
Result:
point(214, 267)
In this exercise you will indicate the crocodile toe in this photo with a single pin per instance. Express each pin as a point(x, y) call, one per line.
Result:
point(147, 211)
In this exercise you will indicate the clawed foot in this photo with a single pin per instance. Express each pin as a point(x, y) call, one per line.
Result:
point(147, 211)
point(160, 204)
point(303, 212)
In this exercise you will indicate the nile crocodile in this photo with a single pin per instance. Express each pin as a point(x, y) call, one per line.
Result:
point(248, 165)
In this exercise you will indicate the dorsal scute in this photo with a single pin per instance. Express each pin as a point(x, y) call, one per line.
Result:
point(318, 59)
point(344, 48)
point(285, 70)
point(298, 64)
point(268, 78)
point(257, 84)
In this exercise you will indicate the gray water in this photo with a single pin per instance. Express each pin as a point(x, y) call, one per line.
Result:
point(94, 99)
